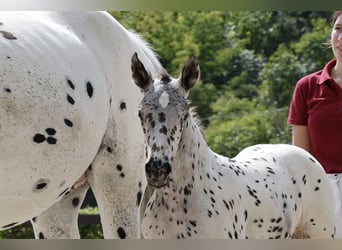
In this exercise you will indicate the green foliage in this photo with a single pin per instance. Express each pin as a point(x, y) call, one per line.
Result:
point(93, 231)
point(239, 123)
point(201, 95)
point(231, 107)
point(312, 49)
point(279, 77)
point(230, 137)
point(25, 231)
point(235, 122)
point(291, 62)
point(89, 210)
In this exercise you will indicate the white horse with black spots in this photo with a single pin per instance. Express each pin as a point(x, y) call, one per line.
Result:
point(68, 115)
point(265, 192)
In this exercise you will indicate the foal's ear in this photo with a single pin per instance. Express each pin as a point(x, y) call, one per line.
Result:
point(141, 77)
point(190, 73)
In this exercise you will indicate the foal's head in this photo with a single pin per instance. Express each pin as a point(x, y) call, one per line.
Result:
point(163, 112)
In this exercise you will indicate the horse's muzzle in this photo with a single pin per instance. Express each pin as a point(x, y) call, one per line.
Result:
point(157, 172)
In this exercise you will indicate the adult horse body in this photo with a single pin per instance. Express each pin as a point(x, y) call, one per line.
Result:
point(266, 191)
point(65, 107)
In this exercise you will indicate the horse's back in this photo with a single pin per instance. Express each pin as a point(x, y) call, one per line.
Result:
point(53, 106)
point(296, 182)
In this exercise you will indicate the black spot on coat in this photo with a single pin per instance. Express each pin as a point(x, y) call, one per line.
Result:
point(70, 100)
point(39, 138)
point(68, 123)
point(139, 195)
point(41, 235)
point(90, 90)
point(41, 184)
point(123, 106)
point(51, 140)
point(50, 131)
point(8, 35)
point(121, 233)
point(75, 201)
point(71, 85)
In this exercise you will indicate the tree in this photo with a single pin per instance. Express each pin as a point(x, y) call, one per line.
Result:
point(279, 76)
point(289, 63)
point(313, 49)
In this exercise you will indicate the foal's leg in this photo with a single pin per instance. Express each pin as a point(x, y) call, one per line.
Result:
point(61, 220)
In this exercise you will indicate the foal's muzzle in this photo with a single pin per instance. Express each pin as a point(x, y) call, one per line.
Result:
point(157, 172)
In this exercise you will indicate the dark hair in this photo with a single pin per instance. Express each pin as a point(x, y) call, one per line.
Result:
point(334, 16)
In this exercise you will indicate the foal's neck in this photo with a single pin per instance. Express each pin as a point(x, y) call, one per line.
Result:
point(194, 157)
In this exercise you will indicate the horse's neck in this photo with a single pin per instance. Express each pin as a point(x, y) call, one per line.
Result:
point(194, 155)
point(113, 46)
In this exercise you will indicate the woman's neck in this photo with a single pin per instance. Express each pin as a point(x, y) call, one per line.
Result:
point(336, 73)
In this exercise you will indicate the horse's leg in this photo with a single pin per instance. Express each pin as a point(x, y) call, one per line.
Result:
point(61, 220)
point(146, 197)
point(116, 179)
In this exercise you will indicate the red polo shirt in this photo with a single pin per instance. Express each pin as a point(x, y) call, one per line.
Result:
point(317, 103)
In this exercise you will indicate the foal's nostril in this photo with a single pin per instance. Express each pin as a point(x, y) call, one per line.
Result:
point(167, 167)
point(157, 167)
point(148, 166)
point(157, 172)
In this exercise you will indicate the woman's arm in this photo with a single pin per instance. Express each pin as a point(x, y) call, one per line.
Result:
point(301, 137)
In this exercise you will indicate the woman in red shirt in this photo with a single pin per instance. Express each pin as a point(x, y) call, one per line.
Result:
point(316, 116)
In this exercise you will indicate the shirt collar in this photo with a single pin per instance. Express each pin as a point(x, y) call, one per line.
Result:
point(325, 75)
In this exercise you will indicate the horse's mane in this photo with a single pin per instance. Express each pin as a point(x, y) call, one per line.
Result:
point(149, 52)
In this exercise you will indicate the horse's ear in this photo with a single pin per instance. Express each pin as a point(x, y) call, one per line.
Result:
point(141, 77)
point(190, 73)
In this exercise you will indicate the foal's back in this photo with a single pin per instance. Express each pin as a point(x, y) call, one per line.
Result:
point(288, 193)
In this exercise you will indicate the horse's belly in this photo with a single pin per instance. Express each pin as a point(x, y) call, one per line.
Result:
point(53, 113)
point(17, 210)
point(43, 152)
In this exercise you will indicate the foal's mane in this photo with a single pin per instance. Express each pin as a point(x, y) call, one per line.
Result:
point(195, 115)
